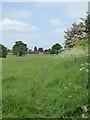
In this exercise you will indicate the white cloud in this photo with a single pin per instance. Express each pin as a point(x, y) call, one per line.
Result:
point(13, 30)
point(55, 22)
point(16, 26)
point(19, 14)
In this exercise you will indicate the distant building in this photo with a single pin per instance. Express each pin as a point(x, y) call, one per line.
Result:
point(36, 52)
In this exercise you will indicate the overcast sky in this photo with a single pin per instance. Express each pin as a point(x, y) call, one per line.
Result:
point(38, 24)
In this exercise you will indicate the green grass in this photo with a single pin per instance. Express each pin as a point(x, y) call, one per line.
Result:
point(81, 43)
point(43, 86)
point(0, 88)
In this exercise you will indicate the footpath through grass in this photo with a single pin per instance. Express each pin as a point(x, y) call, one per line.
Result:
point(44, 86)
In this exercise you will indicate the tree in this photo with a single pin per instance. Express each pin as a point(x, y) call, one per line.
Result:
point(3, 51)
point(87, 22)
point(56, 48)
point(78, 31)
point(35, 48)
point(75, 33)
point(40, 49)
point(19, 48)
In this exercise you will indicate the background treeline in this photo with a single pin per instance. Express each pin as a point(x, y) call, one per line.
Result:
point(77, 35)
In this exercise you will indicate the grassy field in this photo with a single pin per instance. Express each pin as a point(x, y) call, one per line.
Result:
point(44, 86)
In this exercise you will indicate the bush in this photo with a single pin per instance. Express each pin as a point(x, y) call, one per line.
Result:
point(3, 51)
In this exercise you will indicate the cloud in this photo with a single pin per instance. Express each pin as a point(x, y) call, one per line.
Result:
point(19, 14)
point(13, 30)
point(55, 22)
point(16, 26)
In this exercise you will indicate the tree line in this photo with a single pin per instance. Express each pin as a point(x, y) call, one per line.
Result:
point(20, 49)
point(78, 31)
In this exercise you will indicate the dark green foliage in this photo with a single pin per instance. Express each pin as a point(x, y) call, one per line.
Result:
point(56, 49)
point(3, 51)
point(35, 48)
point(19, 48)
point(40, 49)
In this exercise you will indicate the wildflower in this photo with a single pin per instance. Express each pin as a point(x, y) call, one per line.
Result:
point(87, 63)
point(70, 96)
point(81, 69)
point(85, 108)
point(83, 116)
point(69, 83)
point(86, 70)
point(81, 64)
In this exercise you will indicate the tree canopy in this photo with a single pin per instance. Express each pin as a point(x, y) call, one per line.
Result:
point(19, 48)
point(3, 51)
point(35, 48)
point(40, 49)
point(56, 48)
point(77, 32)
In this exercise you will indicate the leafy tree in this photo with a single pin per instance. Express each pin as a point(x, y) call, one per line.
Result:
point(3, 51)
point(35, 48)
point(19, 48)
point(75, 33)
point(56, 48)
point(87, 22)
point(40, 49)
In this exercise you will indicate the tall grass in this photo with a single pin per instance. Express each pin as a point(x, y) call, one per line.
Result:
point(0, 88)
point(43, 86)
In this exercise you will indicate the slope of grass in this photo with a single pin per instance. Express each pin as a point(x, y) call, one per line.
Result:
point(81, 43)
point(43, 86)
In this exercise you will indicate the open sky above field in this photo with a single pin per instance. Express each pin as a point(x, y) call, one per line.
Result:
point(38, 24)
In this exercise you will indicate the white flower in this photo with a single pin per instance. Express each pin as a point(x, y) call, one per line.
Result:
point(81, 69)
point(85, 108)
point(69, 83)
point(86, 70)
point(83, 116)
point(70, 96)
point(87, 63)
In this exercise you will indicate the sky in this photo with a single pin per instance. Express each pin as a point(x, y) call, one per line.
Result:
point(40, 24)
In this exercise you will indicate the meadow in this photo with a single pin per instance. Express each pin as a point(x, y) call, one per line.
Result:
point(45, 86)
